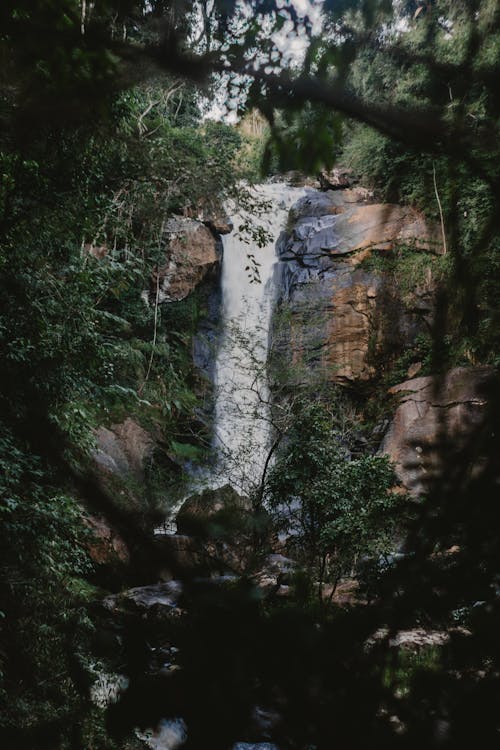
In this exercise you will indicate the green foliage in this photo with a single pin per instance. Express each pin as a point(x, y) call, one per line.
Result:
point(404, 667)
point(335, 507)
point(82, 212)
point(438, 66)
point(290, 146)
point(42, 539)
point(407, 270)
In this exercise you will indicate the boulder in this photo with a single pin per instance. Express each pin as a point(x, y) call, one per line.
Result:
point(325, 228)
point(315, 203)
point(217, 222)
point(178, 553)
point(158, 599)
point(275, 575)
point(433, 411)
point(191, 254)
point(213, 512)
point(123, 448)
point(277, 568)
point(118, 463)
point(225, 525)
point(414, 639)
point(336, 179)
point(106, 546)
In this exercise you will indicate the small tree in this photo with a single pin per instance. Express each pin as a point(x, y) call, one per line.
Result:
point(333, 508)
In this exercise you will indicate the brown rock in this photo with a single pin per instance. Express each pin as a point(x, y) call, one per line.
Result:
point(414, 369)
point(123, 448)
point(107, 546)
point(336, 179)
point(431, 412)
point(218, 510)
point(178, 553)
point(384, 226)
point(159, 599)
point(118, 462)
point(191, 254)
point(349, 328)
point(342, 318)
point(218, 223)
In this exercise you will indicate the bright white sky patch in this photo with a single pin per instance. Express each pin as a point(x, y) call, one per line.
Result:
point(290, 45)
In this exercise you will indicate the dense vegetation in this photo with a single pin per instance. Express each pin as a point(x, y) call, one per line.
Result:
point(79, 350)
point(119, 146)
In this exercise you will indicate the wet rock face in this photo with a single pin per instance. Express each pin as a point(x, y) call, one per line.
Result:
point(435, 413)
point(338, 314)
point(192, 252)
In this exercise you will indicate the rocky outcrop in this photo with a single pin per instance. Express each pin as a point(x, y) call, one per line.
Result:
point(192, 252)
point(434, 417)
point(213, 512)
point(216, 533)
point(106, 545)
point(160, 598)
point(123, 448)
point(336, 179)
point(118, 463)
point(178, 555)
point(339, 313)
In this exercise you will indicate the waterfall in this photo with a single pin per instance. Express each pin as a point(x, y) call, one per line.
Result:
point(242, 429)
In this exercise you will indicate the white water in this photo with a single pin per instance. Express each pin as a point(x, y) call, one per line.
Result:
point(242, 429)
point(242, 426)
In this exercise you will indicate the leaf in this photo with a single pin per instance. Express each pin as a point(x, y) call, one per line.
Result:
point(185, 450)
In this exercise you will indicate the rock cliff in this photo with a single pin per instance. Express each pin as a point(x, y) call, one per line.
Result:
point(192, 252)
point(434, 417)
point(336, 314)
point(357, 283)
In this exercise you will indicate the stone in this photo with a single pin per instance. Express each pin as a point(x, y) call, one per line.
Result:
point(179, 553)
point(332, 229)
point(316, 203)
point(107, 546)
point(212, 508)
point(118, 463)
point(170, 734)
point(339, 316)
point(277, 568)
point(414, 369)
point(224, 524)
point(191, 254)
point(414, 639)
point(218, 222)
point(159, 598)
point(336, 179)
point(123, 448)
point(430, 410)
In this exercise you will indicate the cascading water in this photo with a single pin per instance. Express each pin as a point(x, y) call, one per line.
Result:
point(242, 428)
